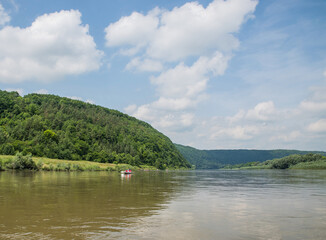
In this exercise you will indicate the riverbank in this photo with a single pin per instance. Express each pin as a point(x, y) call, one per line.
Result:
point(46, 164)
point(307, 161)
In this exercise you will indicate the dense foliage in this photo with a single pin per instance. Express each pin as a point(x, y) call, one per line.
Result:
point(213, 159)
point(296, 161)
point(21, 162)
point(56, 127)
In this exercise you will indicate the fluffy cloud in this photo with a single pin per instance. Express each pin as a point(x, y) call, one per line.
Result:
point(288, 137)
point(319, 126)
point(313, 106)
point(42, 91)
point(195, 43)
point(183, 40)
point(55, 45)
point(189, 81)
point(246, 124)
point(317, 102)
point(235, 132)
point(180, 89)
point(75, 98)
point(19, 90)
point(135, 30)
point(4, 17)
point(266, 125)
point(146, 65)
point(262, 111)
point(189, 30)
point(169, 121)
point(193, 30)
point(81, 99)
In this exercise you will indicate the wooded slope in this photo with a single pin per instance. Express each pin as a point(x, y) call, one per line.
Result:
point(58, 127)
point(213, 159)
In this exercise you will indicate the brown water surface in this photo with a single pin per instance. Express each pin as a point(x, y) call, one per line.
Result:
point(264, 204)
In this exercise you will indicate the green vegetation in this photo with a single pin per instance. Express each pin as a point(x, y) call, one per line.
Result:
point(21, 162)
point(62, 128)
point(214, 159)
point(307, 161)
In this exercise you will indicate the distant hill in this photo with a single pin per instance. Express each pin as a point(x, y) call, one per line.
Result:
point(213, 159)
point(58, 127)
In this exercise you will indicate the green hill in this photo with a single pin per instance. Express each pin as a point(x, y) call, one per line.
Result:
point(295, 161)
point(213, 159)
point(58, 127)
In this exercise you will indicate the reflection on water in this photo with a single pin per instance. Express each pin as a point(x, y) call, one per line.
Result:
point(126, 176)
point(163, 205)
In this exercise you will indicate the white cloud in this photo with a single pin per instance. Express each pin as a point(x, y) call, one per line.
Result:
point(264, 111)
point(313, 106)
point(42, 91)
point(236, 132)
point(162, 37)
point(274, 74)
point(90, 101)
point(173, 104)
point(75, 98)
point(190, 81)
point(81, 99)
point(266, 125)
point(192, 30)
point(135, 30)
point(189, 30)
point(288, 137)
point(19, 90)
point(4, 17)
point(55, 45)
point(317, 102)
point(180, 90)
point(318, 127)
point(146, 65)
point(319, 92)
point(131, 108)
point(169, 121)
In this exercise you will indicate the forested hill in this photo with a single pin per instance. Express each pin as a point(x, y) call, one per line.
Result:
point(212, 159)
point(57, 127)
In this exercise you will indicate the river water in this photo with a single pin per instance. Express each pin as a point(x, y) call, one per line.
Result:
point(255, 204)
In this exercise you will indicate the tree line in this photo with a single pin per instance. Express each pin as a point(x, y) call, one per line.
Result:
point(56, 127)
point(214, 159)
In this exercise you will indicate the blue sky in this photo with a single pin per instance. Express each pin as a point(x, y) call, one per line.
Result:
point(210, 74)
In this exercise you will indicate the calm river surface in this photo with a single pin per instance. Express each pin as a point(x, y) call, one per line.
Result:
point(263, 204)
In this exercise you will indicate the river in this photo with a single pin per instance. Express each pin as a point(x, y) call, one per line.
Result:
point(235, 205)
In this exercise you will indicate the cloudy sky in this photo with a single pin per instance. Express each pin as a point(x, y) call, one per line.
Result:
point(211, 74)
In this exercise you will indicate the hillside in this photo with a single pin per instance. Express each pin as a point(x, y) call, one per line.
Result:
point(213, 159)
point(295, 161)
point(58, 127)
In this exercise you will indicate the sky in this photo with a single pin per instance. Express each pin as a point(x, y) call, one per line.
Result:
point(211, 74)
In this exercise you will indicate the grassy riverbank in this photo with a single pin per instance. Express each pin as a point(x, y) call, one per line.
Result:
point(19, 162)
point(307, 161)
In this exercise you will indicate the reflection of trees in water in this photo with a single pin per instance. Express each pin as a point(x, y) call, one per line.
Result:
point(60, 204)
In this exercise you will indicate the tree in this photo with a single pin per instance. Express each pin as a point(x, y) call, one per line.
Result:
point(50, 135)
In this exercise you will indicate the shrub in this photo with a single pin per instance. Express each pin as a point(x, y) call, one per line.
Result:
point(292, 160)
point(39, 164)
point(68, 167)
point(77, 167)
point(21, 162)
